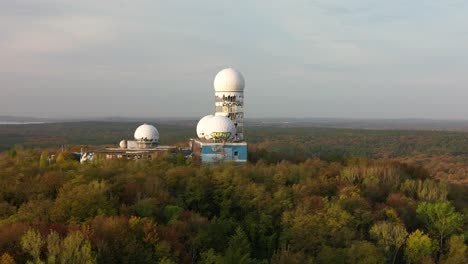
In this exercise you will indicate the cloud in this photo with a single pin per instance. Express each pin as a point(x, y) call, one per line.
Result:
point(358, 50)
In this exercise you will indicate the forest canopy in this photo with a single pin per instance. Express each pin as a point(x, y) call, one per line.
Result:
point(307, 195)
point(167, 210)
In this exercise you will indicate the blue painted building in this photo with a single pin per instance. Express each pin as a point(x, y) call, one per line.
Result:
point(211, 153)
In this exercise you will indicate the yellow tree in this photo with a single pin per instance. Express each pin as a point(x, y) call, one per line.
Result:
point(32, 242)
point(391, 236)
point(457, 251)
point(419, 247)
point(7, 259)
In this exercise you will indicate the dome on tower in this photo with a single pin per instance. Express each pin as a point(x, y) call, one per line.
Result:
point(220, 127)
point(201, 126)
point(229, 80)
point(146, 133)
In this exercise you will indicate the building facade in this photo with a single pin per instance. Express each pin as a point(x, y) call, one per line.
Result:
point(212, 153)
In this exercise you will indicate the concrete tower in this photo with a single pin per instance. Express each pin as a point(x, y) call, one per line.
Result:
point(229, 98)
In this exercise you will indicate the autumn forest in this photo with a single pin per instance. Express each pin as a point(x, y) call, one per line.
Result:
point(307, 195)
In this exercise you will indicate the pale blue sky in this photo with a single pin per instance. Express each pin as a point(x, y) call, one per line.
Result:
point(322, 58)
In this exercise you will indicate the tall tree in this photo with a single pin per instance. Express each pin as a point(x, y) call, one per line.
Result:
point(363, 252)
point(76, 250)
point(43, 160)
point(419, 247)
point(210, 257)
point(457, 251)
point(238, 251)
point(53, 247)
point(391, 236)
point(440, 219)
point(32, 242)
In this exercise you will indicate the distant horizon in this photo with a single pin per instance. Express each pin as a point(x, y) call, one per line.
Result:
point(102, 118)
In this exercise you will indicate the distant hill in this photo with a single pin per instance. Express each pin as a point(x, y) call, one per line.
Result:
point(22, 119)
point(386, 124)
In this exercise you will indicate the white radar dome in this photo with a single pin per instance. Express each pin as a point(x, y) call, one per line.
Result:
point(202, 124)
point(220, 127)
point(123, 143)
point(229, 80)
point(147, 133)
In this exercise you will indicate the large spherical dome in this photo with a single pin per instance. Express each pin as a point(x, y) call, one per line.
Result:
point(220, 127)
point(146, 133)
point(229, 80)
point(201, 126)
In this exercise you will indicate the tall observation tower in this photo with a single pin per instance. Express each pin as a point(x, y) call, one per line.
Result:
point(229, 98)
point(221, 136)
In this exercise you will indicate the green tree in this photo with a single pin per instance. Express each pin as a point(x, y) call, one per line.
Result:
point(308, 230)
point(210, 257)
point(285, 256)
point(363, 252)
point(238, 251)
point(331, 255)
point(440, 219)
point(391, 236)
point(6, 209)
point(457, 251)
point(32, 242)
point(81, 201)
point(34, 211)
point(76, 250)
point(43, 160)
point(419, 247)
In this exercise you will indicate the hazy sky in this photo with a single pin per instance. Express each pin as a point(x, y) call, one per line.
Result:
point(315, 58)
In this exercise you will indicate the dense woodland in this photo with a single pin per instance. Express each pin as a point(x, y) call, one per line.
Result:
point(297, 201)
point(443, 153)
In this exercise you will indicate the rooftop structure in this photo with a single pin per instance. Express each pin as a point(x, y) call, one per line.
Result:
point(135, 153)
point(144, 146)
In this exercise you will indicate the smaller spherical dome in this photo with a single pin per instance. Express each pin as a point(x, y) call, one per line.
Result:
point(146, 133)
point(123, 144)
point(220, 127)
point(229, 80)
point(201, 126)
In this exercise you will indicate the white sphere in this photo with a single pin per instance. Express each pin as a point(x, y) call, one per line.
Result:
point(146, 133)
point(201, 126)
point(220, 127)
point(229, 80)
point(123, 144)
